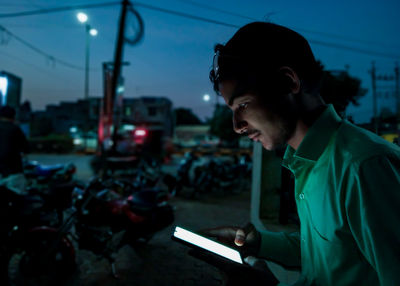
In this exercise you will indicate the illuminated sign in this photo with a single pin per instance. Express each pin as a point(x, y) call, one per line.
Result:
point(3, 90)
point(10, 89)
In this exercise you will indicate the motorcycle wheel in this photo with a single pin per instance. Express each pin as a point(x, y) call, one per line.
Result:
point(20, 274)
point(29, 269)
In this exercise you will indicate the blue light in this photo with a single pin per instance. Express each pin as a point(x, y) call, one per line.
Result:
point(3, 90)
point(73, 129)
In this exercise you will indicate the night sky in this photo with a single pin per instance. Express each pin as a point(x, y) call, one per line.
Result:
point(175, 55)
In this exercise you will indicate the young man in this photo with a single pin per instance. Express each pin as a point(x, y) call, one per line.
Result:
point(347, 179)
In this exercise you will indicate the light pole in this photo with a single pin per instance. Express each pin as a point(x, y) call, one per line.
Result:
point(83, 18)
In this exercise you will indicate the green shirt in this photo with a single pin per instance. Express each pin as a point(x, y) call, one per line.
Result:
point(348, 199)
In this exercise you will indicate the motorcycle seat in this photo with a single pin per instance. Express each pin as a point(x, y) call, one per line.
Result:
point(42, 170)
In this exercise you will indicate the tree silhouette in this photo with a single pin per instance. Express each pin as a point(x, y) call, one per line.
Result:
point(221, 124)
point(185, 116)
point(341, 89)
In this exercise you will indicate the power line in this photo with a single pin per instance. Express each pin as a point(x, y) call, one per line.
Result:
point(58, 9)
point(193, 17)
point(39, 51)
point(317, 42)
point(341, 37)
point(361, 41)
point(362, 51)
point(185, 15)
point(26, 63)
point(208, 7)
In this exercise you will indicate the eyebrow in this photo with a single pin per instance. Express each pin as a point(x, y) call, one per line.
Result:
point(236, 94)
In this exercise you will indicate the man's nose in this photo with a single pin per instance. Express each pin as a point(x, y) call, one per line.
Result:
point(239, 125)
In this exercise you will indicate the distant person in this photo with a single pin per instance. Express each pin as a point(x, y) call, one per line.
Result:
point(347, 179)
point(13, 145)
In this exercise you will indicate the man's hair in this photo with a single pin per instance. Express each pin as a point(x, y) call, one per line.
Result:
point(257, 51)
point(7, 112)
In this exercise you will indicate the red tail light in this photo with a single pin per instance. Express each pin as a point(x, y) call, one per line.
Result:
point(140, 132)
point(139, 135)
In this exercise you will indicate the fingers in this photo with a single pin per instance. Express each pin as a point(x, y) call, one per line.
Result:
point(230, 235)
point(241, 234)
point(240, 237)
point(249, 227)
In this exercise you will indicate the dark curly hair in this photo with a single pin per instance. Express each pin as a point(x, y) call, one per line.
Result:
point(257, 51)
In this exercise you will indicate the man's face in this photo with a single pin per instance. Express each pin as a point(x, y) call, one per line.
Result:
point(252, 117)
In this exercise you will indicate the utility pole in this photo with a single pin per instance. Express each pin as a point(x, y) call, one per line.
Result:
point(397, 90)
point(87, 49)
point(117, 71)
point(374, 97)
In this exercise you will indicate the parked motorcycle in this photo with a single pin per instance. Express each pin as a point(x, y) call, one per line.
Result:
point(39, 174)
point(226, 176)
point(101, 221)
point(141, 214)
point(22, 217)
point(184, 174)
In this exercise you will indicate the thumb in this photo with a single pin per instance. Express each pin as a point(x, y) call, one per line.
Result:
point(240, 237)
point(242, 233)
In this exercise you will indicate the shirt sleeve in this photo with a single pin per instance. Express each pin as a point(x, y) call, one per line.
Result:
point(372, 204)
point(281, 247)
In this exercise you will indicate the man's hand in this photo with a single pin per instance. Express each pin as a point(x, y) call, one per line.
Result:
point(246, 239)
point(237, 274)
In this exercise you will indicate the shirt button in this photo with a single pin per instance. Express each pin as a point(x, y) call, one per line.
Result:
point(301, 196)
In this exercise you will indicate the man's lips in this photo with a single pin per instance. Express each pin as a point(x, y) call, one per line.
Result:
point(254, 135)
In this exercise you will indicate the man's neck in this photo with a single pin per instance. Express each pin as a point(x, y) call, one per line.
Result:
point(304, 124)
point(299, 134)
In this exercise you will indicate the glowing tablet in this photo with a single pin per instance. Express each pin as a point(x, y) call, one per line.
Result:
point(194, 239)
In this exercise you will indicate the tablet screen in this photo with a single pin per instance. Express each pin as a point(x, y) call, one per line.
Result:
point(208, 244)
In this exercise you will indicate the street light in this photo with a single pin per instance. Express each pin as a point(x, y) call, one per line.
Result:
point(93, 32)
point(206, 97)
point(83, 18)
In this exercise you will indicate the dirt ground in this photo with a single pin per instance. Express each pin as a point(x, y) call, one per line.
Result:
point(163, 261)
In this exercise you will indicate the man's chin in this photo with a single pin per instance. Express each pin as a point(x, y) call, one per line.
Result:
point(268, 145)
point(271, 146)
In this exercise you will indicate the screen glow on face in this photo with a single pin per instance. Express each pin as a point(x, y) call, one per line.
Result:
point(208, 244)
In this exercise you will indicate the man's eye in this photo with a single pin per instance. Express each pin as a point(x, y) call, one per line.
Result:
point(243, 105)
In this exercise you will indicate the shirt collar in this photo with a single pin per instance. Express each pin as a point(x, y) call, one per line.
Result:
point(316, 139)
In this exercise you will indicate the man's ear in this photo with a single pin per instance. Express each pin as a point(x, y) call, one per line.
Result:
point(289, 79)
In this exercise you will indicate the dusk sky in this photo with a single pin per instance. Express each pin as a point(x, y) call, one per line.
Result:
point(175, 55)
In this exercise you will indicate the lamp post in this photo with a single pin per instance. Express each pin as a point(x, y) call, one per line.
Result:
point(83, 18)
